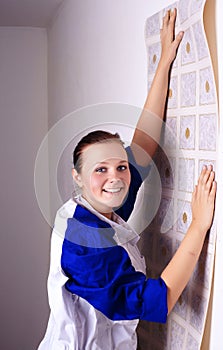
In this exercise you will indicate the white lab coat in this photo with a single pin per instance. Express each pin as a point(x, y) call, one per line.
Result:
point(74, 324)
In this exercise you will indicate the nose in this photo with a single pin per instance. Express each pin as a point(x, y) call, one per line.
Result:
point(114, 176)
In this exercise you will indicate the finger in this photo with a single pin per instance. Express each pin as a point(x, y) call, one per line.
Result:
point(171, 24)
point(194, 194)
point(173, 15)
point(203, 171)
point(166, 19)
point(213, 189)
point(210, 180)
point(207, 174)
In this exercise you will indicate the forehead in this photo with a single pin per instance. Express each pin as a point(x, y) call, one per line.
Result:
point(102, 152)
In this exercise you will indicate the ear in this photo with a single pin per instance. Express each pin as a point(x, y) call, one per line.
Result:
point(77, 178)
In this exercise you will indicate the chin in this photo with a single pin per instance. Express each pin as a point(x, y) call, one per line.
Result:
point(117, 204)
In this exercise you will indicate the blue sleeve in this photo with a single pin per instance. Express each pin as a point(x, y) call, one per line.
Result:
point(138, 174)
point(106, 278)
point(141, 170)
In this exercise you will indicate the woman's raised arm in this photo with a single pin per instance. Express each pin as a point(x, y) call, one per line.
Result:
point(149, 125)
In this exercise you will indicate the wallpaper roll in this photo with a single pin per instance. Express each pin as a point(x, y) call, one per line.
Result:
point(193, 123)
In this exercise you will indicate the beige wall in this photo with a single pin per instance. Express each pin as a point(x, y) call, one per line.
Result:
point(217, 303)
point(24, 234)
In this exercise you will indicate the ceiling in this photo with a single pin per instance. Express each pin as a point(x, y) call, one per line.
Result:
point(31, 13)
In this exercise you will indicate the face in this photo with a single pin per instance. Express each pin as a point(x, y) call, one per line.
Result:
point(104, 176)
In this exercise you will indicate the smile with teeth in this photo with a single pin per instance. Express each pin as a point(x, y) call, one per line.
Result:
point(112, 190)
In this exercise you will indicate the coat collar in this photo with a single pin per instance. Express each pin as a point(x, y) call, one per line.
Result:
point(84, 215)
point(87, 230)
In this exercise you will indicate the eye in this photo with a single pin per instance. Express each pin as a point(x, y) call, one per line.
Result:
point(101, 170)
point(122, 168)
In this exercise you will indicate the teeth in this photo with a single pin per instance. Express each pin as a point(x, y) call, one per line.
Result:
point(113, 190)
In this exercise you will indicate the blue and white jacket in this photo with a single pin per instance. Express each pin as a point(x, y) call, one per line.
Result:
point(97, 284)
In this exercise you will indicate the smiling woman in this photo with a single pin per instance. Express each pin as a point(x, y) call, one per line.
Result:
point(103, 171)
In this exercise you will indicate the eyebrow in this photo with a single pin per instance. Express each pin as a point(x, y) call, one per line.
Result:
point(121, 161)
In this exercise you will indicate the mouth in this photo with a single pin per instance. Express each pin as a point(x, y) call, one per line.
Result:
point(112, 190)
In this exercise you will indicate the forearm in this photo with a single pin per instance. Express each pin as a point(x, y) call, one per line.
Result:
point(148, 128)
point(156, 99)
point(178, 272)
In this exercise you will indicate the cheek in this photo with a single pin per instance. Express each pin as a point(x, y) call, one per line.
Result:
point(128, 178)
point(96, 182)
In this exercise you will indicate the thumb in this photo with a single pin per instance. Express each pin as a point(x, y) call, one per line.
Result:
point(178, 39)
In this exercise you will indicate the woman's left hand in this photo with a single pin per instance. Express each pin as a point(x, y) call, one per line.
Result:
point(169, 42)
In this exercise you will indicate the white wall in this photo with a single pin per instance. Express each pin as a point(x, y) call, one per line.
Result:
point(24, 234)
point(97, 54)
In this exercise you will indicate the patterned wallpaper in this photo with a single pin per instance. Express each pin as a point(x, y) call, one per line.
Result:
point(189, 141)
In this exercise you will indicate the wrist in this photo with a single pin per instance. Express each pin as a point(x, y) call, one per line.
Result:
point(164, 64)
point(197, 228)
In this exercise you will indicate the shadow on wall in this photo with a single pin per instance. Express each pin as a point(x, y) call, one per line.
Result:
point(210, 31)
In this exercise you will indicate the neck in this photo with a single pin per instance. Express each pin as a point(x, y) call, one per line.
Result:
point(107, 214)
